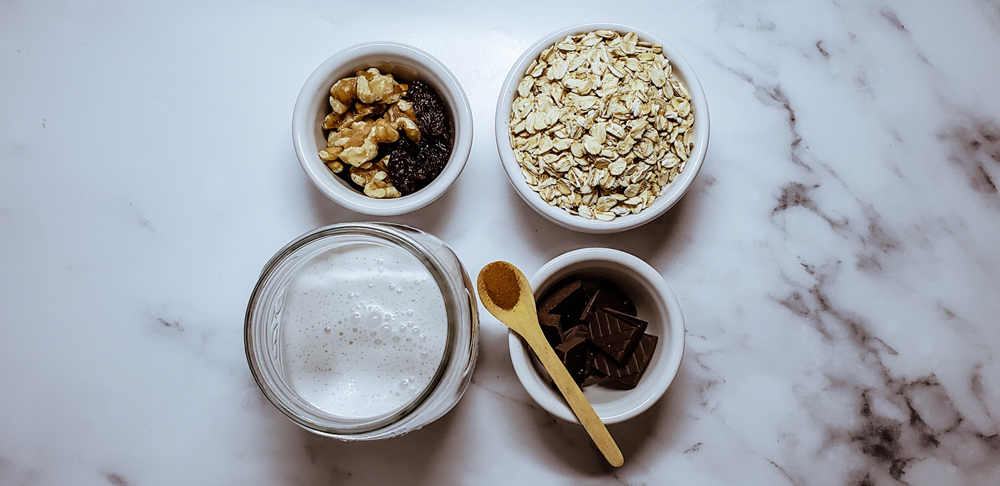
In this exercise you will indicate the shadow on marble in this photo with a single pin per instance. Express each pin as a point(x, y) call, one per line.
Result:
point(324, 210)
point(401, 460)
point(665, 235)
point(569, 444)
point(432, 218)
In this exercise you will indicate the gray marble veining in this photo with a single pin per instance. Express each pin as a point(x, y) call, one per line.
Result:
point(835, 259)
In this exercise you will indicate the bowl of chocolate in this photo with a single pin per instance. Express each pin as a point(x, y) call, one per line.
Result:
point(382, 128)
point(615, 324)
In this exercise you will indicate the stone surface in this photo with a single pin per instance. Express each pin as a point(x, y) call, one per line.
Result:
point(835, 259)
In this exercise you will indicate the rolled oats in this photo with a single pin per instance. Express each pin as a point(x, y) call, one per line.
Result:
point(600, 125)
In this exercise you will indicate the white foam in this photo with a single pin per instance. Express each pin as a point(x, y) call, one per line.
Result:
point(364, 329)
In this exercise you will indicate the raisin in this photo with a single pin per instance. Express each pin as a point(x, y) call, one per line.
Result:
point(430, 110)
point(412, 166)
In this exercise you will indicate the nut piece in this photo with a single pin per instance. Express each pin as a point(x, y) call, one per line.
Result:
point(600, 125)
point(368, 109)
point(374, 179)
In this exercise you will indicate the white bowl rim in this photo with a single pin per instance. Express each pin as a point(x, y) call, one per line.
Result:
point(303, 119)
point(674, 191)
point(551, 401)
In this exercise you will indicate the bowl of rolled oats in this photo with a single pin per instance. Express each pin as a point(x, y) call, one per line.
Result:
point(382, 128)
point(601, 128)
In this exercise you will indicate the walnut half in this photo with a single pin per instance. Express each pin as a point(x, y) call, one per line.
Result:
point(368, 109)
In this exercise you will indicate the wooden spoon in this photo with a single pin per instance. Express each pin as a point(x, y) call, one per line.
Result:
point(506, 293)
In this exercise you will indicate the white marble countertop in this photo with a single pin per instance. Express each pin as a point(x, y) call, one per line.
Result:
point(836, 259)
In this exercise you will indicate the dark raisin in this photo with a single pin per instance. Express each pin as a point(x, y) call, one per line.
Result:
point(430, 110)
point(404, 166)
point(412, 166)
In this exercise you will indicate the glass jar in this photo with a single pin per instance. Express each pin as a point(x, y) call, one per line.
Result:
point(332, 344)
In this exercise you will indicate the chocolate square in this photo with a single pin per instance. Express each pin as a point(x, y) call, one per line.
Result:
point(627, 377)
point(551, 328)
point(593, 328)
point(557, 295)
point(615, 333)
point(573, 307)
point(577, 355)
point(581, 329)
point(606, 295)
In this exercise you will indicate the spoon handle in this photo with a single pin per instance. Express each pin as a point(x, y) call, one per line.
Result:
point(574, 397)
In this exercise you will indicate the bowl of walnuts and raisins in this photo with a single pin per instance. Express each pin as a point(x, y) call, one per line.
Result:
point(382, 128)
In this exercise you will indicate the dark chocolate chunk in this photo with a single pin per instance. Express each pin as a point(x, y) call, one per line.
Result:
point(572, 307)
point(551, 328)
point(615, 333)
point(627, 377)
point(606, 295)
point(593, 327)
point(557, 295)
point(582, 329)
point(627, 382)
point(547, 319)
point(577, 356)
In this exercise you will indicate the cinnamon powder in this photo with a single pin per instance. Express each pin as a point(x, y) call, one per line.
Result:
point(502, 285)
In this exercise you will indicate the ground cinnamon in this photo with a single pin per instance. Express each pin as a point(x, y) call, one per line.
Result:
point(502, 285)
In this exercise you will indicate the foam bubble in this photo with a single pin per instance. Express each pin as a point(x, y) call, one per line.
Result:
point(355, 377)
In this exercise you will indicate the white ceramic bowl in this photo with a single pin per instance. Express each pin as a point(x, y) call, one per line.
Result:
point(671, 194)
point(655, 303)
point(404, 62)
